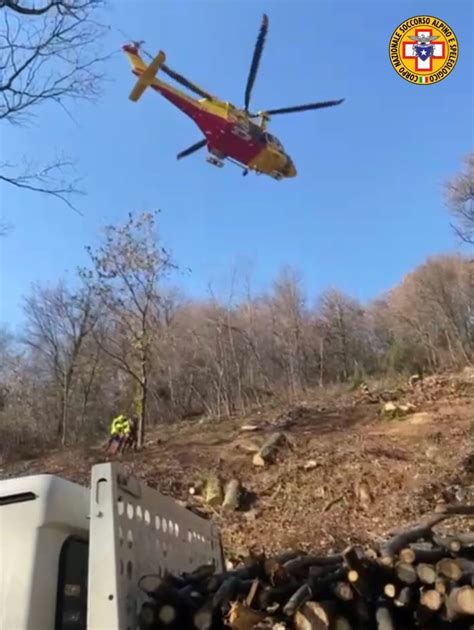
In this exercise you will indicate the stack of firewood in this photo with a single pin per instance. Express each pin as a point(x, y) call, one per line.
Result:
point(415, 579)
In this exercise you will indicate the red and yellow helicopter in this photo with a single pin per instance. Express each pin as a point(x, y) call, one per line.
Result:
point(230, 133)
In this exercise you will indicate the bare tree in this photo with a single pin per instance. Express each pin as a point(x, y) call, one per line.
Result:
point(459, 196)
point(58, 323)
point(432, 312)
point(342, 320)
point(287, 306)
point(126, 273)
point(49, 53)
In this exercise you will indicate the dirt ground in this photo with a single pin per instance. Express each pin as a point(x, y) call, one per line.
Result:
point(348, 475)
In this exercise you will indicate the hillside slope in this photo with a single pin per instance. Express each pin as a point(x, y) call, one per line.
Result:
point(348, 475)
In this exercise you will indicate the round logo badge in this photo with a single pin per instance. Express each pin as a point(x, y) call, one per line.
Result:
point(423, 49)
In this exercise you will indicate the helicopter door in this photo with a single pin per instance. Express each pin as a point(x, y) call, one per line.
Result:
point(241, 132)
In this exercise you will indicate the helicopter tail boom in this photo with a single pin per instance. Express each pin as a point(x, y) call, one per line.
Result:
point(146, 73)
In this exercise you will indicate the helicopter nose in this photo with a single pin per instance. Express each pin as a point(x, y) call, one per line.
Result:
point(290, 170)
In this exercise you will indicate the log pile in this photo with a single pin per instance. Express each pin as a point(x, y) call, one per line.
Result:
point(415, 579)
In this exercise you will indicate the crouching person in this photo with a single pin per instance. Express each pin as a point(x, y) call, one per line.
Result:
point(131, 434)
point(117, 431)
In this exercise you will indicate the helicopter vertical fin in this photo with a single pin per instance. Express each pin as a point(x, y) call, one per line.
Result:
point(146, 73)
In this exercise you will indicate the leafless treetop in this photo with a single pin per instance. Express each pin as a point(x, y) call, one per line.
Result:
point(459, 194)
point(50, 52)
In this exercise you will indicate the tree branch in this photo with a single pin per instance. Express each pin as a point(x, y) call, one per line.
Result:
point(43, 181)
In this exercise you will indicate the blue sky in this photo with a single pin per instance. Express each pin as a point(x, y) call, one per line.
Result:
point(366, 206)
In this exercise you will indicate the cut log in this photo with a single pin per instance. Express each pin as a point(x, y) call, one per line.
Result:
point(213, 491)
point(203, 618)
point(303, 563)
point(243, 618)
point(343, 591)
point(361, 584)
point(460, 602)
point(167, 614)
point(371, 554)
point(405, 597)
point(202, 572)
point(431, 599)
point(226, 592)
point(426, 573)
point(448, 567)
point(407, 555)
point(362, 612)
point(410, 535)
point(321, 581)
point(307, 619)
point(191, 597)
point(406, 573)
point(312, 591)
point(269, 596)
point(232, 495)
point(440, 585)
point(275, 571)
point(147, 616)
point(448, 543)
point(390, 590)
point(362, 573)
point(268, 451)
point(467, 568)
point(299, 597)
point(384, 617)
point(429, 556)
point(320, 616)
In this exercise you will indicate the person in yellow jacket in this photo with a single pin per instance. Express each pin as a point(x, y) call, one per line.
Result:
point(119, 430)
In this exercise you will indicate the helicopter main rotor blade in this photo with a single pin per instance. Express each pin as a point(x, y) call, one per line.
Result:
point(192, 149)
point(185, 82)
point(257, 53)
point(302, 108)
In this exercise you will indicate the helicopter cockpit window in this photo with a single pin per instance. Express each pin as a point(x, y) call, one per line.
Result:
point(271, 139)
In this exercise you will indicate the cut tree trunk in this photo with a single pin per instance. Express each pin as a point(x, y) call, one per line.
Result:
point(267, 453)
point(213, 490)
point(232, 495)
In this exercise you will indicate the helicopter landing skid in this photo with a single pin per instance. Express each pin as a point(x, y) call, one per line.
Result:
point(214, 161)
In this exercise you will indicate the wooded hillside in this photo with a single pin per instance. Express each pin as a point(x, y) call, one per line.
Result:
point(123, 340)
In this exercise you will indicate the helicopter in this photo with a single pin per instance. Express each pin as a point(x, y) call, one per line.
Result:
point(230, 133)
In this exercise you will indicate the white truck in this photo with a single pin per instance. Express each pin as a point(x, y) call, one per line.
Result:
point(71, 557)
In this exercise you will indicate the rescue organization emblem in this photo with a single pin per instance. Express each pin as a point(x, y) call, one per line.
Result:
point(423, 50)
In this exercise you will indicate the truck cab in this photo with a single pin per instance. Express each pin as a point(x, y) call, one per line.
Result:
point(44, 542)
point(71, 556)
